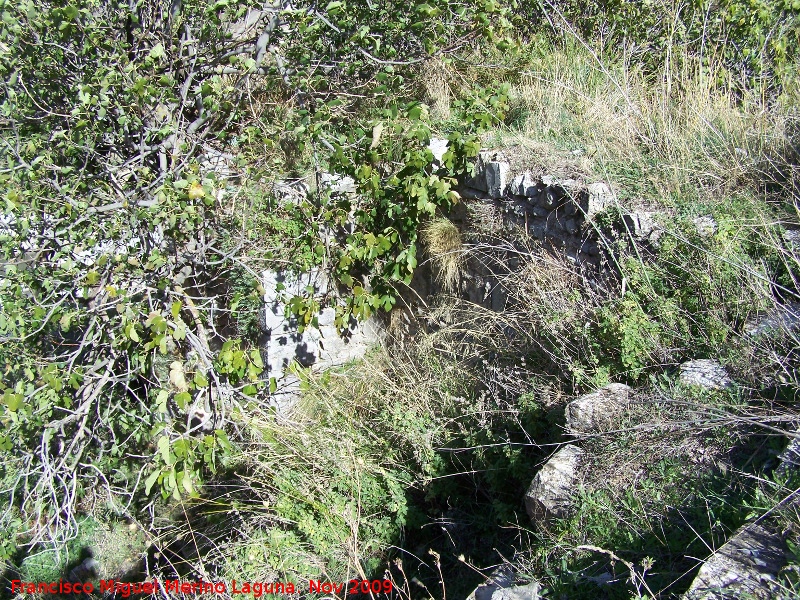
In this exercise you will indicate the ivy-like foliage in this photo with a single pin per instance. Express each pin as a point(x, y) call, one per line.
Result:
point(111, 228)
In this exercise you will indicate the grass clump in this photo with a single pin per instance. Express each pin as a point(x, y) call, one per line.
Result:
point(443, 242)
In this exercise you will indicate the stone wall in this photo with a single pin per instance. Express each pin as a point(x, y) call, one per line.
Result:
point(319, 347)
point(556, 211)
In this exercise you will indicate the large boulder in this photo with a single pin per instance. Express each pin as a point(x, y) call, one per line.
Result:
point(744, 567)
point(551, 491)
point(596, 411)
point(705, 373)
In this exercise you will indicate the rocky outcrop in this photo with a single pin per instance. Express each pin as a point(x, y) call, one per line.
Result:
point(595, 412)
point(319, 347)
point(705, 373)
point(551, 491)
point(744, 567)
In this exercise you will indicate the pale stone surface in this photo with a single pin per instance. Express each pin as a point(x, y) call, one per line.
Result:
point(500, 587)
point(438, 147)
point(706, 225)
point(525, 185)
point(492, 174)
point(519, 592)
point(550, 492)
point(222, 164)
point(320, 347)
point(596, 411)
point(705, 373)
point(642, 225)
point(290, 191)
point(600, 198)
point(745, 566)
point(337, 184)
point(780, 318)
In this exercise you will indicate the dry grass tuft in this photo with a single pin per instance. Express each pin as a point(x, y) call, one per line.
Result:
point(434, 77)
point(443, 241)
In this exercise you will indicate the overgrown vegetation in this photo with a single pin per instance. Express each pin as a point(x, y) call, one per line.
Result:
point(131, 295)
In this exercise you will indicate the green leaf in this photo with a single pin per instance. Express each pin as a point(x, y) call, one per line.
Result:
point(163, 448)
point(182, 399)
point(200, 380)
point(161, 401)
point(12, 401)
point(157, 51)
point(150, 481)
point(175, 309)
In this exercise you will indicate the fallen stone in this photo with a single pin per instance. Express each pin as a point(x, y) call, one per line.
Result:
point(595, 412)
point(550, 493)
point(525, 185)
point(500, 587)
point(642, 225)
point(706, 226)
point(705, 373)
point(744, 567)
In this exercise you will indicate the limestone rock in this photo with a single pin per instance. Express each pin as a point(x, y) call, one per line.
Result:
point(595, 411)
point(500, 587)
point(438, 147)
point(525, 185)
point(320, 347)
point(705, 373)
point(706, 225)
point(600, 198)
point(492, 173)
point(745, 566)
point(792, 238)
point(337, 184)
point(519, 592)
point(642, 225)
point(290, 192)
point(550, 492)
point(221, 164)
point(780, 318)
